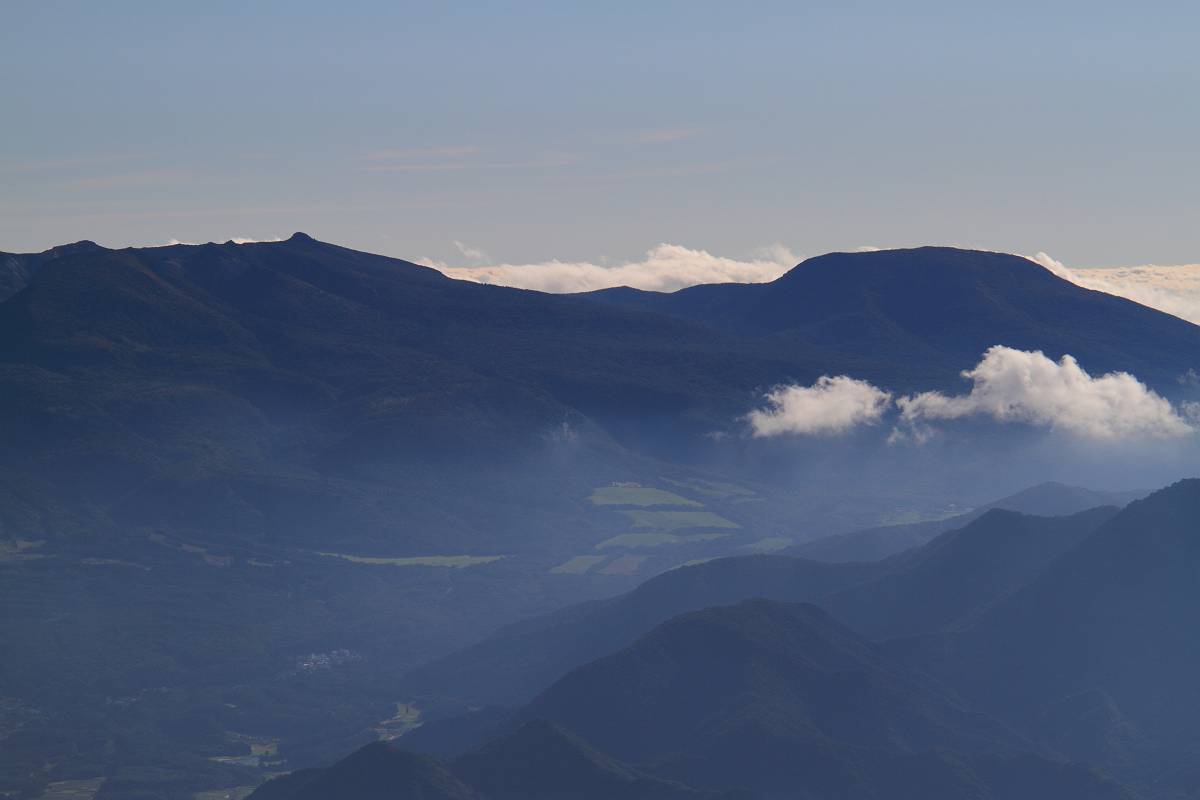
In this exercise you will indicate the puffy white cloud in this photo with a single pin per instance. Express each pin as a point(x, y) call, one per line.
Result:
point(1173, 289)
point(664, 268)
point(830, 406)
point(1017, 386)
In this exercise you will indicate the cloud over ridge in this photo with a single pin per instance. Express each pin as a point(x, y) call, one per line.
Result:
point(1007, 386)
point(664, 268)
point(831, 406)
point(1020, 386)
point(1172, 289)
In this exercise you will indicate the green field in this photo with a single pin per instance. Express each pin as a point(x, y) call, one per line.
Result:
point(72, 790)
point(771, 544)
point(713, 488)
point(656, 539)
point(640, 540)
point(625, 565)
point(578, 565)
point(406, 719)
point(19, 550)
point(677, 520)
point(458, 562)
point(633, 495)
point(232, 793)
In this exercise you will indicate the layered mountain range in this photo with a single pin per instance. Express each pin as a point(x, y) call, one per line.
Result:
point(1020, 656)
point(248, 490)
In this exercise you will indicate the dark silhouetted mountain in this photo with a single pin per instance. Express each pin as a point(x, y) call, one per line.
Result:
point(379, 771)
point(1110, 616)
point(936, 307)
point(542, 761)
point(18, 269)
point(511, 666)
point(537, 761)
point(1048, 499)
point(784, 700)
point(225, 428)
point(954, 577)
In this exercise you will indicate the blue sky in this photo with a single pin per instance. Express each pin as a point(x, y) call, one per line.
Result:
point(536, 131)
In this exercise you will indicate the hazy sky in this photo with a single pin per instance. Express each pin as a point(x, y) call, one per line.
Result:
point(536, 131)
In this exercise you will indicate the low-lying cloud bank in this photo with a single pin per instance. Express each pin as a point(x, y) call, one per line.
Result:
point(1007, 386)
point(1175, 290)
point(664, 268)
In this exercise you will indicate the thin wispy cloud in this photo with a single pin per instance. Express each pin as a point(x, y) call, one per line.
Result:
point(65, 162)
point(128, 180)
point(664, 268)
point(663, 136)
point(546, 160)
point(423, 153)
point(471, 254)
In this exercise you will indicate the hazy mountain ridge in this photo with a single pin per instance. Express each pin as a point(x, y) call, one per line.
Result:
point(1047, 499)
point(226, 428)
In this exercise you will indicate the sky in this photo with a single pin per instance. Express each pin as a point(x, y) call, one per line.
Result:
point(479, 134)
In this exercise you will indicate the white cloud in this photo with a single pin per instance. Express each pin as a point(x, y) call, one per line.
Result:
point(234, 239)
point(472, 254)
point(1018, 386)
point(664, 268)
point(830, 406)
point(1173, 289)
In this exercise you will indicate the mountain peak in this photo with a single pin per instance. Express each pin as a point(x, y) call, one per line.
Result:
point(300, 236)
point(82, 246)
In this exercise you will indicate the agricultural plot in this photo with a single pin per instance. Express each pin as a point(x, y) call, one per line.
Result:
point(668, 521)
point(406, 719)
point(20, 550)
point(715, 489)
point(656, 539)
point(770, 544)
point(625, 565)
point(635, 495)
point(456, 562)
point(578, 565)
point(232, 793)
point(73, 790)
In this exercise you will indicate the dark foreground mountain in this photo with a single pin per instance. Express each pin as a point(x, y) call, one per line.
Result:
point(1105, 634)
point(326, 467)
point(782, 700)
point(537, 761)
point(1049, 499)
point(509, 667)
point(379, 771)
point(957, 575)
point(923, 590)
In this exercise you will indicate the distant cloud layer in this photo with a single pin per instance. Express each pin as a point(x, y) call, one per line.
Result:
point(668, 267)
point(234, 239)
point(1174, 289)
point(664, 268)
point(1007, 386)
point(830, 406)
